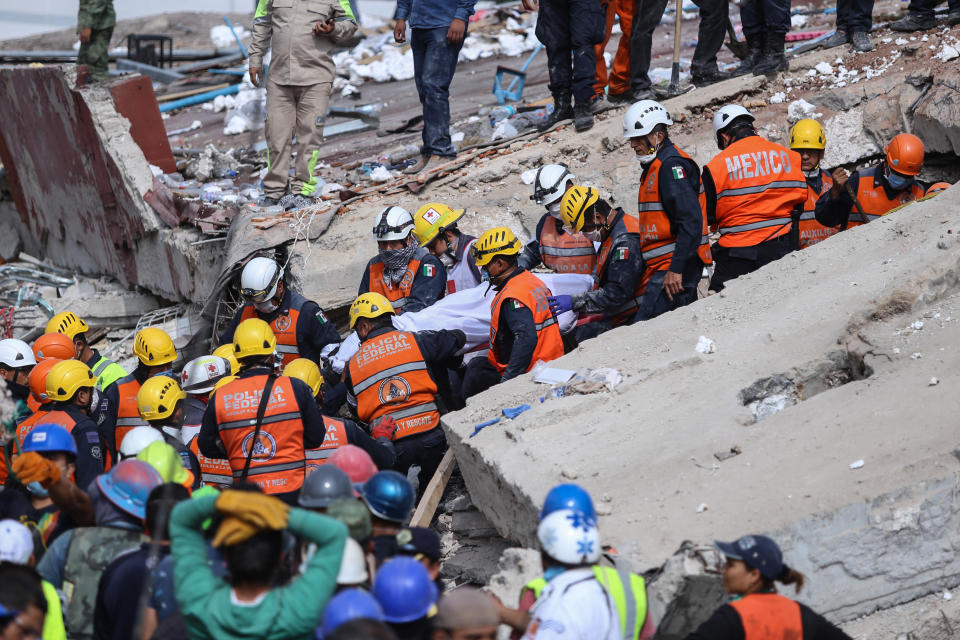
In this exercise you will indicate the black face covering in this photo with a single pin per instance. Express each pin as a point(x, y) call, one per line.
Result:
point(18, 391)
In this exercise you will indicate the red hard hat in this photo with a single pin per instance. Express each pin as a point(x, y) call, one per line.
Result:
point(54, 345)
point(353, 461)
point(905, 154)
point(38, 379)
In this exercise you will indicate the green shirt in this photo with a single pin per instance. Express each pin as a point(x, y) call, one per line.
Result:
point(96, 14)
point(291, 611)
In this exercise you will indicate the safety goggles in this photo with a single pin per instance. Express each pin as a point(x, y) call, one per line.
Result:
point(383, 228)
point(541, 193)
point(261, 295)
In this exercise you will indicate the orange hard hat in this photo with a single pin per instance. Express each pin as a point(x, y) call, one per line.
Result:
point(38, 379)
point(353, 461)
point(54, 345)
point(905, 154)
point(937, 186)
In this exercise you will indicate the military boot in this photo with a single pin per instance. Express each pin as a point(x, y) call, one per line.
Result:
point(562, 110)
point(754, 53)
point(773, 59)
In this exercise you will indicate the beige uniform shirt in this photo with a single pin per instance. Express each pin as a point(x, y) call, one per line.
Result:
point(299, 56)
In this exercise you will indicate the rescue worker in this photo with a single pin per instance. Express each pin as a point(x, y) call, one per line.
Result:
point(301, 327)
point(467, 613)
point(809, 140)
point(95, 22)
point(673, 229)
point(921, 16)
point(765, 27)
point(714, 15)
point(408, 597)
point(339, 432)
point(557, 248)
point(156, 353)
point(197, 379)
point(268, 452)
point(617, 81)
point(753, 565)
point(879, 189)
point(389, 497)
point(16, 363)
point(392, 383)
point(161, 403)
point(38, 395)
point(54, 345)
point(225, 351)
point(619, 278)
point(301, 36)
point(435, 225)
point(751, 189)
point(74, 327)
point(403, 272)
point(522, 328)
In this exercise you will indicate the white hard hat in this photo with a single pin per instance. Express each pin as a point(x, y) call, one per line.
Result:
point(393, 223)
point(570, 537)
point(353, 564)
point(727, 114)
point(642, 117)
point(138, 439)
point(16, 543)
point(16, 354)
point(258, 281)
point(201, 374)
point(550, 183)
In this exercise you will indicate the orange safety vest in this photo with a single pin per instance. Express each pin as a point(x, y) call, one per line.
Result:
point(284, 327)
point(758, 185)
point(61, 418)
point(656, 238)
point(565, 252)
point(528, 290)
point(336, 437)
point(128, 413)
point(628, 309)
point(398, 294)
point(214, 472)
point(873, 197)
point(391, 379)
point(811, 231)
point(277, 462)
point(768, 616)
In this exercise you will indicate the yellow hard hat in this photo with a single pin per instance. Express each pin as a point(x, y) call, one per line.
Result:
point(369, 305)
point(154, 347)
point(165, 459)
point(66, 378)
point(68, 323)
point(807, 134)
point(499, 241)
point(431, 219)
point(253, 337)
point(574, 206)
point(158, 397)
point(226, 351)
point(306, 370)
point(222, 381)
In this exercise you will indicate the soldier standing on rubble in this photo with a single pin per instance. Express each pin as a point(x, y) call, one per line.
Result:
point(95, 22)
point(298, 90)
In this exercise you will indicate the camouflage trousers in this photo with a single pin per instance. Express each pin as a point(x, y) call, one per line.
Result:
point(96, 53)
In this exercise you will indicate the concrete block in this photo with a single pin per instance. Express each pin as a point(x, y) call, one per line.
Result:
point(473, 564)
point(936, 119)
point(472, 524)
point(515, 568)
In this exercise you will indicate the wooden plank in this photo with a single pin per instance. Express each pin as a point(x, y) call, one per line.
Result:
point(191, 92)
point(423, 515)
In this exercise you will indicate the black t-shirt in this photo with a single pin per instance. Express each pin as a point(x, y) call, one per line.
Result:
point(46, 524)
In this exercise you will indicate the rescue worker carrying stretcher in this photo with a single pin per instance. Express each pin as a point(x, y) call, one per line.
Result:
point(392, 382)
point(808, 139)
point(435, 225)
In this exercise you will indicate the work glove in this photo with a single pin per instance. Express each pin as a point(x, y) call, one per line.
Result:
point(33, 467)
point(384, 428)
point(233, 531)
point(560, 304)
point(256, 509)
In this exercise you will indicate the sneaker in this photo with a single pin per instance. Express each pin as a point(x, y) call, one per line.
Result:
point(599, 104)
point(953, 18)
point(268, 201)
point(417, 166)
point(860, 42)
point(582, 117)
point(836, 39)
point(913, 22)
point(711, 76)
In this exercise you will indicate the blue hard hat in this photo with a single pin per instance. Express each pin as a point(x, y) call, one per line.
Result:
point(388, 495)
point(404, 589)
point(348, 605)
point(568, 496)
point(7, 613)
point(49, 438)
point(128, 485)
point(757, 552)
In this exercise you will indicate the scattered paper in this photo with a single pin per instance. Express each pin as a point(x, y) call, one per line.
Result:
point(705, 345)
point(857, 464)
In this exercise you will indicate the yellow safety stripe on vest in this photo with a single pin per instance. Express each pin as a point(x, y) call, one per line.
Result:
point(760, 188)
point(536, 585)
point(269, 468)
point(365, 384)
point(250, 422)
point(774, 222)
point(631, 602)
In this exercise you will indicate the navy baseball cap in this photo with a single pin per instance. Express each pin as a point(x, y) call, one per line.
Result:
point(757, 552)
point(409, 541)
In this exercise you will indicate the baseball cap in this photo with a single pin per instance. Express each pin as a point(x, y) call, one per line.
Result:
point(409, 541)
point(757, 552)
point(466, 608)
point(16, 543)
point(354, 514)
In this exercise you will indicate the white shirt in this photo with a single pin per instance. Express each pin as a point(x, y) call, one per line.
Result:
point(573, 606)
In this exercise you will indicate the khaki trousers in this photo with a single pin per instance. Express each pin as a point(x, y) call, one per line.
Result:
point(299, 110)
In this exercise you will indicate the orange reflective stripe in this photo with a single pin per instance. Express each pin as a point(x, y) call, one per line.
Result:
point(213, 471)
point(530, 291)
point(565, 252)
point(873, 198)
point(128, 413)
point(335, 438)
point(768, 616)
point(398, 293)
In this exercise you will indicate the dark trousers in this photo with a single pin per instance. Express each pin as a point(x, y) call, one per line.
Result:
point(766, 16)
point(424, 450)
point(655, 301)
point(479, 376)
point(925, 8)
point(591, 330)
point(855, 15)
point(733, 262)
point(434, 63)
point(568, 30)
point(713, 28)
point(646, 17)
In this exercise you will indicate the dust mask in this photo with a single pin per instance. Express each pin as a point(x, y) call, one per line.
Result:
point(647, 159)
point(813, 173)
point(267, 306)
point(447, 260)
point(593, 236)
point(898, 182)
point(554, 209)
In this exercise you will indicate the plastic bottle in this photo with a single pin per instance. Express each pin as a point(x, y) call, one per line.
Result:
point(500, 113)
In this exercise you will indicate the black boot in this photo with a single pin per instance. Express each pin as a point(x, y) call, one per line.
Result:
point(582, 117)
point(754, 53)
point(562, 110)
point(773, 59)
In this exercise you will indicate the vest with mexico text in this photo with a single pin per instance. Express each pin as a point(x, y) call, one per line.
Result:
point(335, 438)
point(460, 276)
point(398, 293)
point(277, 461)
point(631, 603)
point(565, 252)
point(61, 418)
point(626, 311)
point(91, 550)
point(873, 198)
point(128, 413)
point(758, 185)
point(107, 372)
point(213, 471)
point(811, 231)
point(656, 238)
point(528, 290)
point(390, 378)
point(284, 326)
point(768, 616)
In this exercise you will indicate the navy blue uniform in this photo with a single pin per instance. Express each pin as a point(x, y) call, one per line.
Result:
point(569, 29)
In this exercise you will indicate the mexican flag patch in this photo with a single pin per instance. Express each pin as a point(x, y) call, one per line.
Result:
point(321, 317)
point(517, 304)
point(429, 270)
point(622, 253)
point(678, 173)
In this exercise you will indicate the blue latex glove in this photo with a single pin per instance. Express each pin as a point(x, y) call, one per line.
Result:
point(560, 304)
